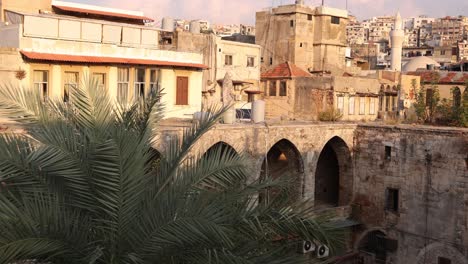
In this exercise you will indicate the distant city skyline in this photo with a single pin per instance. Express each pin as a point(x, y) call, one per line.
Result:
point(243, 11)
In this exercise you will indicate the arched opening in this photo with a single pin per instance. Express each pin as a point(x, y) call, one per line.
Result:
point(333, 175)
point(154, 158)
point(221, 149)
point(372, 247)
point(283, 160)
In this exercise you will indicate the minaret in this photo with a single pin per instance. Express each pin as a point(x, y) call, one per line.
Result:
point(397, 36)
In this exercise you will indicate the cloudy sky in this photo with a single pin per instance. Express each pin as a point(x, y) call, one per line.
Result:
point(243, 11)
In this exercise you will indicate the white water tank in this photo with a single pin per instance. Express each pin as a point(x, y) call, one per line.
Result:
point(258, 111)
point(168, 24)
point(230, 116)
point(195, 26)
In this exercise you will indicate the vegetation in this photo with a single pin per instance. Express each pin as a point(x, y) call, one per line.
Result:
point(330, 115)
point(84, 185)
point(431, 109)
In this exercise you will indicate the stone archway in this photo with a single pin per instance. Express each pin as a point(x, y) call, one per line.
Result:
point(222, 147)
point(334, 175)
point(372, 246)
point(434, 253)
point(283, 160)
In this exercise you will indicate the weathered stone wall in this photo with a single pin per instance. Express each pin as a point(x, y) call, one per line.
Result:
point(256, 140)
point(429, 168)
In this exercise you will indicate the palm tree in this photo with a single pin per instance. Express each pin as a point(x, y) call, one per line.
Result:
point(82, 184)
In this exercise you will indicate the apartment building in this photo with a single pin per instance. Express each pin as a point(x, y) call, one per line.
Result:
point(451, 29)
point(56, 49)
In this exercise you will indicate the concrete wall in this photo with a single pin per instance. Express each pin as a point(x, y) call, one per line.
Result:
point(168, 83)
point(10, 36)
point(428, 166)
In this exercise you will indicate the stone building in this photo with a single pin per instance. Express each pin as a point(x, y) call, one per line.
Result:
point(291, 93)
point(401, 189)
point(313, 38)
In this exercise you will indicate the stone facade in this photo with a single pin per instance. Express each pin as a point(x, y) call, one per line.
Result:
point(312, 38)
point(428, 167)
point(425, 168)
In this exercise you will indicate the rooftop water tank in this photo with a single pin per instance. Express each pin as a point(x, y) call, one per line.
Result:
point(168, 24)
point(258, 111)
point(195, 26)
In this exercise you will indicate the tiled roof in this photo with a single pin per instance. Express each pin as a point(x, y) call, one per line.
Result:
point(106, 60)
point(441, 77)
point(101, 13)
point(285, 70)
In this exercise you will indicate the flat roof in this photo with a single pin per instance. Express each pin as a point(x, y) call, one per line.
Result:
point(38, 56)
point(101, 11)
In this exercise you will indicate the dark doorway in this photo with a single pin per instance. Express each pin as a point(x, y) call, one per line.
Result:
point(283, 160)
point(327, 178)
point(374, 244)
point(333, 175)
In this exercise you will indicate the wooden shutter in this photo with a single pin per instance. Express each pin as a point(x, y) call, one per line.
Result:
point(182, 91)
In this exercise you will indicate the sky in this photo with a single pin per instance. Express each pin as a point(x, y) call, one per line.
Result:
point(243, 11)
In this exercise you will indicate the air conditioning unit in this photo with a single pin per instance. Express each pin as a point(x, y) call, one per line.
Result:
point(307, 247)
point(322, 251)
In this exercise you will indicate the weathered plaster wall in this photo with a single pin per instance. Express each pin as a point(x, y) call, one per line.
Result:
point(429, 167)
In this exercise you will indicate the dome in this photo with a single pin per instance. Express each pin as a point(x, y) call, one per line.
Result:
point(420, 62)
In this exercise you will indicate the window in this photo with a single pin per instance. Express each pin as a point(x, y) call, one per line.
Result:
point(41, 83)
point(139, 83)
point(442, 52)
point(228, 60)
point(250, 61)
point(351, 106)
point(309, 17)
point(272, 88)
point(388, 152)
point(291, 23)
point(122, 84)
point(71, 82)
point(154, 81)
point(372, 106)
point(392, 200)
point(442, 260)
point(100, 79)
point(362, 105)
point(182, 91)
point(283, 88)
point(340, 104)
point(271, 61)
point(335, 20)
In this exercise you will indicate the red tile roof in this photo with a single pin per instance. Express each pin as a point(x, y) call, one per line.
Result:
point(106, 60)
point(101, 13)
point(285, 70)
point(441, 77)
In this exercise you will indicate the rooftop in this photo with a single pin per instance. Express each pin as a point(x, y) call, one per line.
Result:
point(286, 70)
point(441, 77)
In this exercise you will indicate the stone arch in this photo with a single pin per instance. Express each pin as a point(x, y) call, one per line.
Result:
point(223, 147)
point(334, 174)
point(371, 245)
point(431, 254)
point(283, 159)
